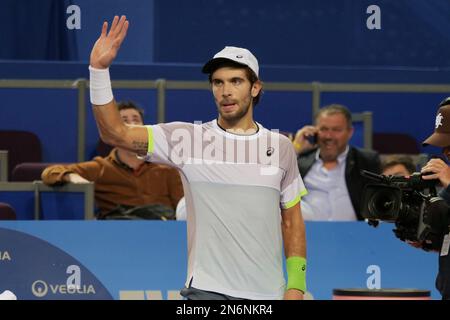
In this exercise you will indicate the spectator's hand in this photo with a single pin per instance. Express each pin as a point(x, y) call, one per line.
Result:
point(301, 142)
point(437, 169)
point(293, 294)
point(420, 245)
point(415, 244)
point(106, 47)
point(75, 178)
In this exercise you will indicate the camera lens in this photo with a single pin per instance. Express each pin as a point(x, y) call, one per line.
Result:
point(383, 205)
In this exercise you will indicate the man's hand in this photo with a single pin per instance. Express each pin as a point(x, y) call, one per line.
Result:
point(437, 169)
point(75, 178)
point(420, 245)
point(106, 47)
point(293, 294)
point(301, 143)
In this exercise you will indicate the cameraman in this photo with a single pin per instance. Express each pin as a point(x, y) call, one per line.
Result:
point(438, 169)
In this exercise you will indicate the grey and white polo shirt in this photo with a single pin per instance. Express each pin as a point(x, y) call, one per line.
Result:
point(235, 186)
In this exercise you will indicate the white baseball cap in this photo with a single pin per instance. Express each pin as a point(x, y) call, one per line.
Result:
point(239, 55)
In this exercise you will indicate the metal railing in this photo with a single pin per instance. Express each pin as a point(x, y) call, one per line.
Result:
point(3, 165)
point(366, 119)
point(38, 187)
point(162, 85)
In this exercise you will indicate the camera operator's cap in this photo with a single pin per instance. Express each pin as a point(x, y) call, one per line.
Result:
point(441, 135)
point(239, 55)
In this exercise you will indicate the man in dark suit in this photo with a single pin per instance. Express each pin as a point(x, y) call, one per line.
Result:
point(331, 168)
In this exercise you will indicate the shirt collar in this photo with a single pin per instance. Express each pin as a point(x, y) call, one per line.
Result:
point(341, 158)
point(114, 155)
point(227, 134)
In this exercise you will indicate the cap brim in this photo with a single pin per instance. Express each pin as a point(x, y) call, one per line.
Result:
point(438, 140)
point(213, 64)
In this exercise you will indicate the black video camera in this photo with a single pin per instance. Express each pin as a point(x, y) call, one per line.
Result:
point(411, 203)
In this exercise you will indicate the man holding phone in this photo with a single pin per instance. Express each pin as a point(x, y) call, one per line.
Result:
point(331, 168)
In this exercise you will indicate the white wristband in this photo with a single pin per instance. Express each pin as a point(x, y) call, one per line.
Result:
point(100, 86)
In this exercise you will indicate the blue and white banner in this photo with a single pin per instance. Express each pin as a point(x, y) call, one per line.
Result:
point(148, 259)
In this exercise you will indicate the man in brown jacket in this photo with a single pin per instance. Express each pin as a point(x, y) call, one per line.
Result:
point(121, 178)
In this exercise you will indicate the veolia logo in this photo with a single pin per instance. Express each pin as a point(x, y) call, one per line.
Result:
point(55, 274)
point(39, 288)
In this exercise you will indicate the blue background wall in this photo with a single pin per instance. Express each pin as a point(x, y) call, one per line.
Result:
point(291, 32)
point(295, 41)
point(314, 33)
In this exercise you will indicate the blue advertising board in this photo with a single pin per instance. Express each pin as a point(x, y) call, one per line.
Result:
point(148, 259)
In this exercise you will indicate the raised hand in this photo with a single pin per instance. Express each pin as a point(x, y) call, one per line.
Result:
point(301, 142)
point(107, 45)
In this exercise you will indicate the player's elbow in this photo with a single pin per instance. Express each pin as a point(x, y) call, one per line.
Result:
point(113, 136)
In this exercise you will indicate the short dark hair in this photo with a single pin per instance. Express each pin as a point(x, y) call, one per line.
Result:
point(123, 105)
point(394, 160)
point(251, 76)
point(335, 109)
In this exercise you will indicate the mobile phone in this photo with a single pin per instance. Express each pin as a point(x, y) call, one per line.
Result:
point(312, 139)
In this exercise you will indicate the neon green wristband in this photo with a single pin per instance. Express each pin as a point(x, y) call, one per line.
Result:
point(296, 273)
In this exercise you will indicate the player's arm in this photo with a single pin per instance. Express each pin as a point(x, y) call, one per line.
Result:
point(110, 125)
point(294, 238)
point(114, 132)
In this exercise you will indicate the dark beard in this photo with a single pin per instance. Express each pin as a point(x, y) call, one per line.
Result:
point(235, 117)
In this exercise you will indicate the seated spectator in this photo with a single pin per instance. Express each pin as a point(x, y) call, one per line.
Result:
point(330, 168)
point(398, 165)
point(122, 179)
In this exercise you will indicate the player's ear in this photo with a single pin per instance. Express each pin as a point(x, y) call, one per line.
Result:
point(256, 88)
